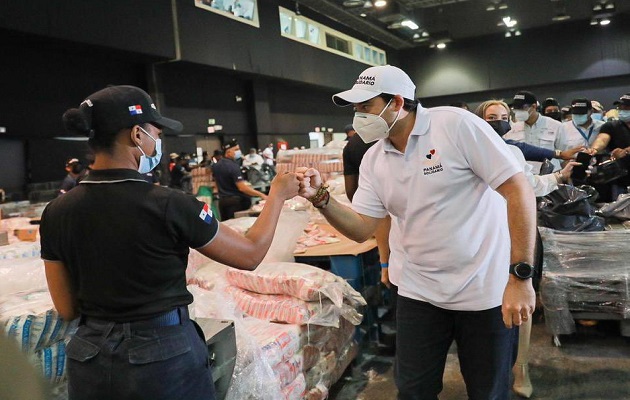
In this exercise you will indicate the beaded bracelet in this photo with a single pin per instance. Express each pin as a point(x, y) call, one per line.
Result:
point(324, 202)
point(321, 192)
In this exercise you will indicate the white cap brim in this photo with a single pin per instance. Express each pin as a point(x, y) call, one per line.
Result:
point(353, 96)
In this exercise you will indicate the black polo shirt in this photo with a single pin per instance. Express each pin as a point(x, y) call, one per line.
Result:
point(227, 173)
point(125, 243)
point(619, 138)
point(353, 154)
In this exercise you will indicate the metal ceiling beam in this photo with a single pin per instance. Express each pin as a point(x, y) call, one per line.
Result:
point(357, 23)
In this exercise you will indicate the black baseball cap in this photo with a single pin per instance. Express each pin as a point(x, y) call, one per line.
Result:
point(581, 105)
point(119, 107)
point(229, 144)
point(550, 101)
point(623, 100)
point(523, 98)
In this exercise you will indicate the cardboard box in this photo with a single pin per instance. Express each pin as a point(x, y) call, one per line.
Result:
point(26, 234)
point(4, 238)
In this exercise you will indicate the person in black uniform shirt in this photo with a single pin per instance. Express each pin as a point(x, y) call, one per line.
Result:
point(615, 136)
point(115, 250)
point(74, 170)
point(234, 192)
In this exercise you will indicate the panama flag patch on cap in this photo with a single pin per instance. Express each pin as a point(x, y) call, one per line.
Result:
point(206, 214)
point(135, 110)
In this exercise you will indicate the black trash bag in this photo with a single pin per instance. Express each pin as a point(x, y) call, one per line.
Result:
point(568, 209)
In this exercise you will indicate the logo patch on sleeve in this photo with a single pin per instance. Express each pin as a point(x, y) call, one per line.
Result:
point(206, 214)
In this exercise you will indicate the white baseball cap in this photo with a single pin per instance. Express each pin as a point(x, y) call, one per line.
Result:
point(374, 81)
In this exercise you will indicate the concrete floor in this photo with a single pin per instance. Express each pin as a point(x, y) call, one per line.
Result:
point(593, 364)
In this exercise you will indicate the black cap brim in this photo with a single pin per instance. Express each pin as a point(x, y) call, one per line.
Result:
point(171, 124)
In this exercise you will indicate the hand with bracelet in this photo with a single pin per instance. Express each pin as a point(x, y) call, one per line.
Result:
point(312, 187)
point(568, 154)
point(564, 174)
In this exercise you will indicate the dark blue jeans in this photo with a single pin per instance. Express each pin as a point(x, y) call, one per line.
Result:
point(485, 348)
point(108, 360)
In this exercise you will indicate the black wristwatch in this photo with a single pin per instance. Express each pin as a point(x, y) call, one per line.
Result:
point(522, 270)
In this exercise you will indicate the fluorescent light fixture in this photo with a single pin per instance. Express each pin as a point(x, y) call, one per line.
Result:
point(380, 3)
point(610, 6)
point(508, 34)
point(441, 45)
point(490, 7)
point(604, 22)
point(394, 25)
point(594, 21)
point(561, 17)
point(425, 34)
point(597, 7)
point(517, 33)
point(416, 35)
point(72, 138)
point(509, 22)
point(502, 5)
point(363, 15)
point(410, 24)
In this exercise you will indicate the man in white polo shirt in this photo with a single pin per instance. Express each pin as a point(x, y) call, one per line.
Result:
point(582, 129)
point(533, 128)
point(466, 220)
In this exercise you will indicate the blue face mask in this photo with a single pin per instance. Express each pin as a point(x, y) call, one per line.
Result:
point(597, 116)
point(238, 155)
point(147, 163)
point(624, 115)
point(579, 119)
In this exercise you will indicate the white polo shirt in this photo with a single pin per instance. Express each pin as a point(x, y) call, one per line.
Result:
point(453, 225)
point(542, 133)
point(570, 135)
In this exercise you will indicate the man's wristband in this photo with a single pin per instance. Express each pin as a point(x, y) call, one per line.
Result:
point(558, 153)
point(384, 265)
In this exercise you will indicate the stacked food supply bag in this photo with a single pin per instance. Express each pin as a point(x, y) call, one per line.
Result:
point(295, 326)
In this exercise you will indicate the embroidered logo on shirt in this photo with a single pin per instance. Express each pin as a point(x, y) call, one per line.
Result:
point(432, 163)
point(206, 214)
point(135, 110)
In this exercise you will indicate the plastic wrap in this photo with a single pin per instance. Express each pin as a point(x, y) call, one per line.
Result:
point(619, 209)
point(568, 209)
point(18, 249)
point(298, 280)
point(585, 272)
point(288, 309)
point(19, 275)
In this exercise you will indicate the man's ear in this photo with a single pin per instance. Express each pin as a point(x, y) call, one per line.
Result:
point(398, 102)
point(135, 135)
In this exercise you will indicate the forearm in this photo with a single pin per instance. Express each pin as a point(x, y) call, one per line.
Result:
point(250, 191)
point(521, 210)
point(601, 142)
point(262, 232)
point(348, 222)
point(382, 239)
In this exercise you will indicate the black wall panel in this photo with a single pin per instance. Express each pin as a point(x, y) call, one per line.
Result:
point(140, 26)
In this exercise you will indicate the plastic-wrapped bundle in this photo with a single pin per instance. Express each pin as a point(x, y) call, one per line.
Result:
point(288, 309)
point(302, 281)
point(51, 361)
point(295, 390)
point(584, 272)
point(19, 275)
point(619, 209)
point(17, 249)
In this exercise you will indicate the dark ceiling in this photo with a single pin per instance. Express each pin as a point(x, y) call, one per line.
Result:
point(446, 20)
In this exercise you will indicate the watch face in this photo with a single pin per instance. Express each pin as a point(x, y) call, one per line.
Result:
point(523, 270)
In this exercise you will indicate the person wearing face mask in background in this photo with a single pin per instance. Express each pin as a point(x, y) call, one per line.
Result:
point(452, 185)
point(115, 251)
point(493, 111)
point(235, 194)
point(614, 136)
point(582, 129)
point(533, 128)
point(551, 109)
point(598, 111)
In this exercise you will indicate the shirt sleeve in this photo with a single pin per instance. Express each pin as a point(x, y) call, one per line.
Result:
point(49, 237)
point(531, 152)
point(366, 200)
point(191, 220)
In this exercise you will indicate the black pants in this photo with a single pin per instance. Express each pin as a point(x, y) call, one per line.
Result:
point(228, 205)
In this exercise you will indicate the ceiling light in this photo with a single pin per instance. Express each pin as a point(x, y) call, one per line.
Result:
point(410, 24)
point(363, 15)
point(594, 21)
point(490, 7)
point(597, 7)
point(502, 5)
point(441, 45)
point(425, 34)
point(394, 25)
point(610, 6)
point(353, 3)
point(380, 3)
point(561, 17)
point(508, 34)
point(368, 4)
point(416, 36)
point(509, 22)
point(517, 33)
point(604, 21)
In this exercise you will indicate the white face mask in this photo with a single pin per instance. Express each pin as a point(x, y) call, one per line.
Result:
point(521, 115)
point(372, 127)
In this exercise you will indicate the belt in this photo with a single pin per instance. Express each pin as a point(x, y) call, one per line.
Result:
point(176, 316)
